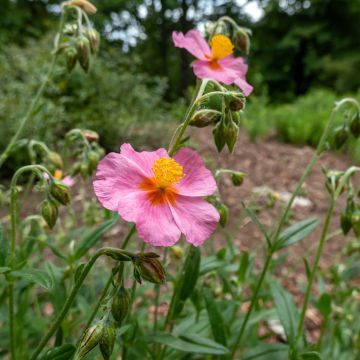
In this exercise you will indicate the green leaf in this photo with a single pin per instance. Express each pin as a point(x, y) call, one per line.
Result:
point(4, 269)
point(324, 305)
point(35, 276)
point(90, 237)
point(286, 310)
point(295, 233)
point(78, 271)
point(311, 355)
point(64, 352)
point(216, 320)
point(189, 343)
point(267, 352)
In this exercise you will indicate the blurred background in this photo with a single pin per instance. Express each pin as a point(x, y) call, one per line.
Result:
point(304, 55)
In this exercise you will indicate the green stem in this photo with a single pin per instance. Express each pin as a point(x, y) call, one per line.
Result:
point(38, 95)
point(315, 267)
point(252, 303)
point(57, 322)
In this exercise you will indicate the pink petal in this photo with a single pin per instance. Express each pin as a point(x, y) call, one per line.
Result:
point(244, 86)
point(196, 218)
point(68, 181)
point(155, 224)
point(198, 180)
point(203, 70)
point(193, 42)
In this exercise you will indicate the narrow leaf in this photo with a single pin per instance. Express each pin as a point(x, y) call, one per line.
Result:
point(35, 276)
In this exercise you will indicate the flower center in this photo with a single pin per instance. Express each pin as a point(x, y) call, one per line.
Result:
point(58, 174)
point(167, 172)
point(221, 47)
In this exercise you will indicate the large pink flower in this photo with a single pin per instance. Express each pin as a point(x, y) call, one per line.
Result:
point(215, 63)
point(162, 195)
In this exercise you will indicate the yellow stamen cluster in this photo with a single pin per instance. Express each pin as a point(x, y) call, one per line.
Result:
point(167, 172)
point(58, 174)
point(221, 47)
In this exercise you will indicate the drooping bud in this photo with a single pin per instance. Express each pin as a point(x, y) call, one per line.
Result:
point(355, 125)
point(223, 211)
point(71, 56)
point(120, 305)
point(55, 159)
point(90, 135)
point(341, 134)
point(82, 46)
point(232, 133)
point(236, 102)
point(49, 212)
point(205, 117)
point(150, 269)
point(87, 6)
point(60, 192)
point(94, 39)
point(90, 339)
point(355, 222)
point(107, 340)
point(242, 40)
point(345, 222)
point(237, 178)
point(219, 135)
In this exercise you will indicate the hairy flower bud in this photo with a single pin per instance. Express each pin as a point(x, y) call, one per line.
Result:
point(219, 136)
point(94, 39)
point(205, 117)
point(82, 46)
point(107, 340)
point(223, 211)
point(341, 134)
point(90, 135)
point(237, 178)
point(242, 40)
point(355, 222)
point(236, 102)
point(232, 133)
point(345, 222)
point(120, 304)
point(71, 56)
point(89, 340)
point(93, 158)
point(60, 192)
point(55, 159)
point(49, 212)
point(87, 6)
point(150, 269)
point(355, 125)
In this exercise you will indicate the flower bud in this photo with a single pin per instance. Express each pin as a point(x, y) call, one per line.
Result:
point(340, 136)
point(120, 304)
point(89, 340)
point(93, 158)
point(219, 136)
point(355, 223)
point(232, 133)
point(82, 46)
point(242, 40)
point(150, 269)
point(236, 102)
point(49, 212)
point(237, 178)
point(355, 125)
point(90, 135)
point(71, 57)
point(107, 340)
point(87, 6)
point(94, 39)
point(223, 211)
point(346, 222)
point(60, 192)
point(55, 159)
point(205, 117)
point(84, 169)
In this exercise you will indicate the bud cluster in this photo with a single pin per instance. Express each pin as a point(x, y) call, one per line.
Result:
point(79, 41)
point(350, 127)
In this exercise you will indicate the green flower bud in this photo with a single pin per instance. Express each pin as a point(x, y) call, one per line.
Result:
point(341, 134)
point(219, 136)
point(236, 102)
point(60, 192)
point(205, 117)
point(90, 339)
point(55, 159)
point(242, 40)
point(355, 125)
point(93, 158)
point(223, 211)
point(232, 133)
point(49, 212)
point(71, 57)
point(84, 169)
point(355, 222)
point(150, 269)
point(120, 304)
point(82, 46)
point(237, 178)
point(107, 340)
point(94, 39)
point(346, 222)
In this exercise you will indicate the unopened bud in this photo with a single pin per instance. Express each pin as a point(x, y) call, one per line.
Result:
point(93, 158)
point(55, 159)
point(87, 6)
point(94, 39)
point(120, 304)
point(345, 222)
point(242, 40)
point(219, 136)
point(84, 169)
point(340, 136)
point(150, 269)
point(82, 46)
point(236, 102)
point(223, 211)
point(177, 251)
point(355, 125)
point(232, 133)
point(355, 222)
point(237, 178)
point(49, 212)
point(107, 340)
point(90, 339)
point(205, 117)
point(90, 135)
point(60, 192)
point(71, 56)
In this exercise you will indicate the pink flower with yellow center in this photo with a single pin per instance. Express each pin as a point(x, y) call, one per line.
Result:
point(214, 62)
point(160, 194)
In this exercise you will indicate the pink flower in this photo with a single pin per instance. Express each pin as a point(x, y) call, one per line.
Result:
point(67, 180)
point(161, 195)
point(215, 63)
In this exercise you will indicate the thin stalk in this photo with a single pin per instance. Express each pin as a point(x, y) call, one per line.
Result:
point(315, 268)
point(252, 303)
point(57, 322)
point(37, 97)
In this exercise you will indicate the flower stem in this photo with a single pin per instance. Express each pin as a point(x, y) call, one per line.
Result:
point(37, 97)
point(57, 322)
point(252, 303)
